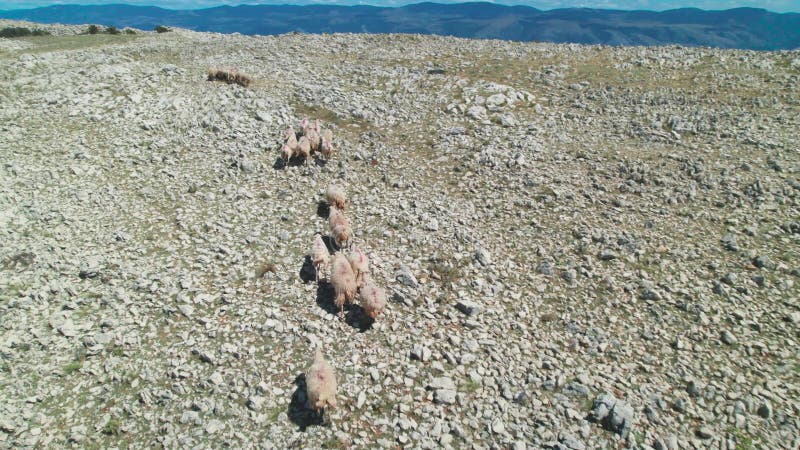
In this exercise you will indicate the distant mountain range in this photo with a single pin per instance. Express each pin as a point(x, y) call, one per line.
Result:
point(745, 28)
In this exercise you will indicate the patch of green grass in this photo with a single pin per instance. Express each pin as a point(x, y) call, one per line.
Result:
point(548, 317)
point(273, 413)
point(112, 427)
point(24, 346)
point(334, 442)
point(449, 270)
point(743, 440)
point(16, 289)
point(44, 44)
point(72, 367)
point(471, 386)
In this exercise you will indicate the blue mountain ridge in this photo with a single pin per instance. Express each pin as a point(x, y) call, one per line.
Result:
point(744, 28)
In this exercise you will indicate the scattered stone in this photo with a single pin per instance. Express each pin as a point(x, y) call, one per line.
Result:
point(763, 262)
point(420, 353)
point(483, 257)
point(728, 337)
point(765, 410)
point(445, 396)
point(704, 433)
point(406, 278)
point(469, 308)
point(608, 255)
point(214, 426)
point(615, 415)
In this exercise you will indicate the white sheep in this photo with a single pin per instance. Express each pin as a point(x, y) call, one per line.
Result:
point(342, 234)
point(326, 147)
point(335, 217)
point(360, 264)
point(304, 148)
point(373, 298)
point(313, 138)
point(335, 197)
point(286, 153)
point(290, 138)
point(320, 258)
point(320, 384)
point(343, 280)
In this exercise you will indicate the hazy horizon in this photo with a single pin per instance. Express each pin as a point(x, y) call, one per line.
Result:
point(653, 5)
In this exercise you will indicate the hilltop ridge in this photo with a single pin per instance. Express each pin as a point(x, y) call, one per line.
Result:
point(581, 246)
point(745, 28)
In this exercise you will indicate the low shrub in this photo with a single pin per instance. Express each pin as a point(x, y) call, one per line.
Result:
point(12, 32)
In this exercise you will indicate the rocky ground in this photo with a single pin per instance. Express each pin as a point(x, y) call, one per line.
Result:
point(584, 247)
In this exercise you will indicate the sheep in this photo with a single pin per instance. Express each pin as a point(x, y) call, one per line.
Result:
point(313, 137)
point(339, 226)
point(335, 217)
point(320, 384)
point(335, 197)
point(290, 138)
point(286, 153)
point(319, 255)
point(343, 281)
point(341, 234)
point(360, 264)
point(304, 148)
point(326, 147)
point(303, 126)
point(373, 298)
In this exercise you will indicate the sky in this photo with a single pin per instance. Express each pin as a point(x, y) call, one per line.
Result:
point(657, 5)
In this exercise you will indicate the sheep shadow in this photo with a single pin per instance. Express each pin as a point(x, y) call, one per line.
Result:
point(323, 210)
point(354, 315)
point(294, 161)
point(298, 413)
point(280, 163)
point(330, 244)
point(320, 162)
point(307, 271)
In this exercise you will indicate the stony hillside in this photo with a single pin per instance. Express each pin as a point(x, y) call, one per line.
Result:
point(584, 247)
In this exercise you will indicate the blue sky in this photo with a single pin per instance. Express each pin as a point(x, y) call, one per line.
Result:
point(773, 5)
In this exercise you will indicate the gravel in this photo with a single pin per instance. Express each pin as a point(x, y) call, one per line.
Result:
point(582, 246)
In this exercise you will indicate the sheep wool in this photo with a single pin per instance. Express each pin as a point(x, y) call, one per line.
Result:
point(321, 384)
point(327, 143)
point(313, 139)
point(286, 153)
point(343, 280)
point(341, 234)
point(360, 264)
point(335, 218)
point(290, 139)
point(319, 255)
point(373, 299)
point(304, 148)
point(335, 196)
